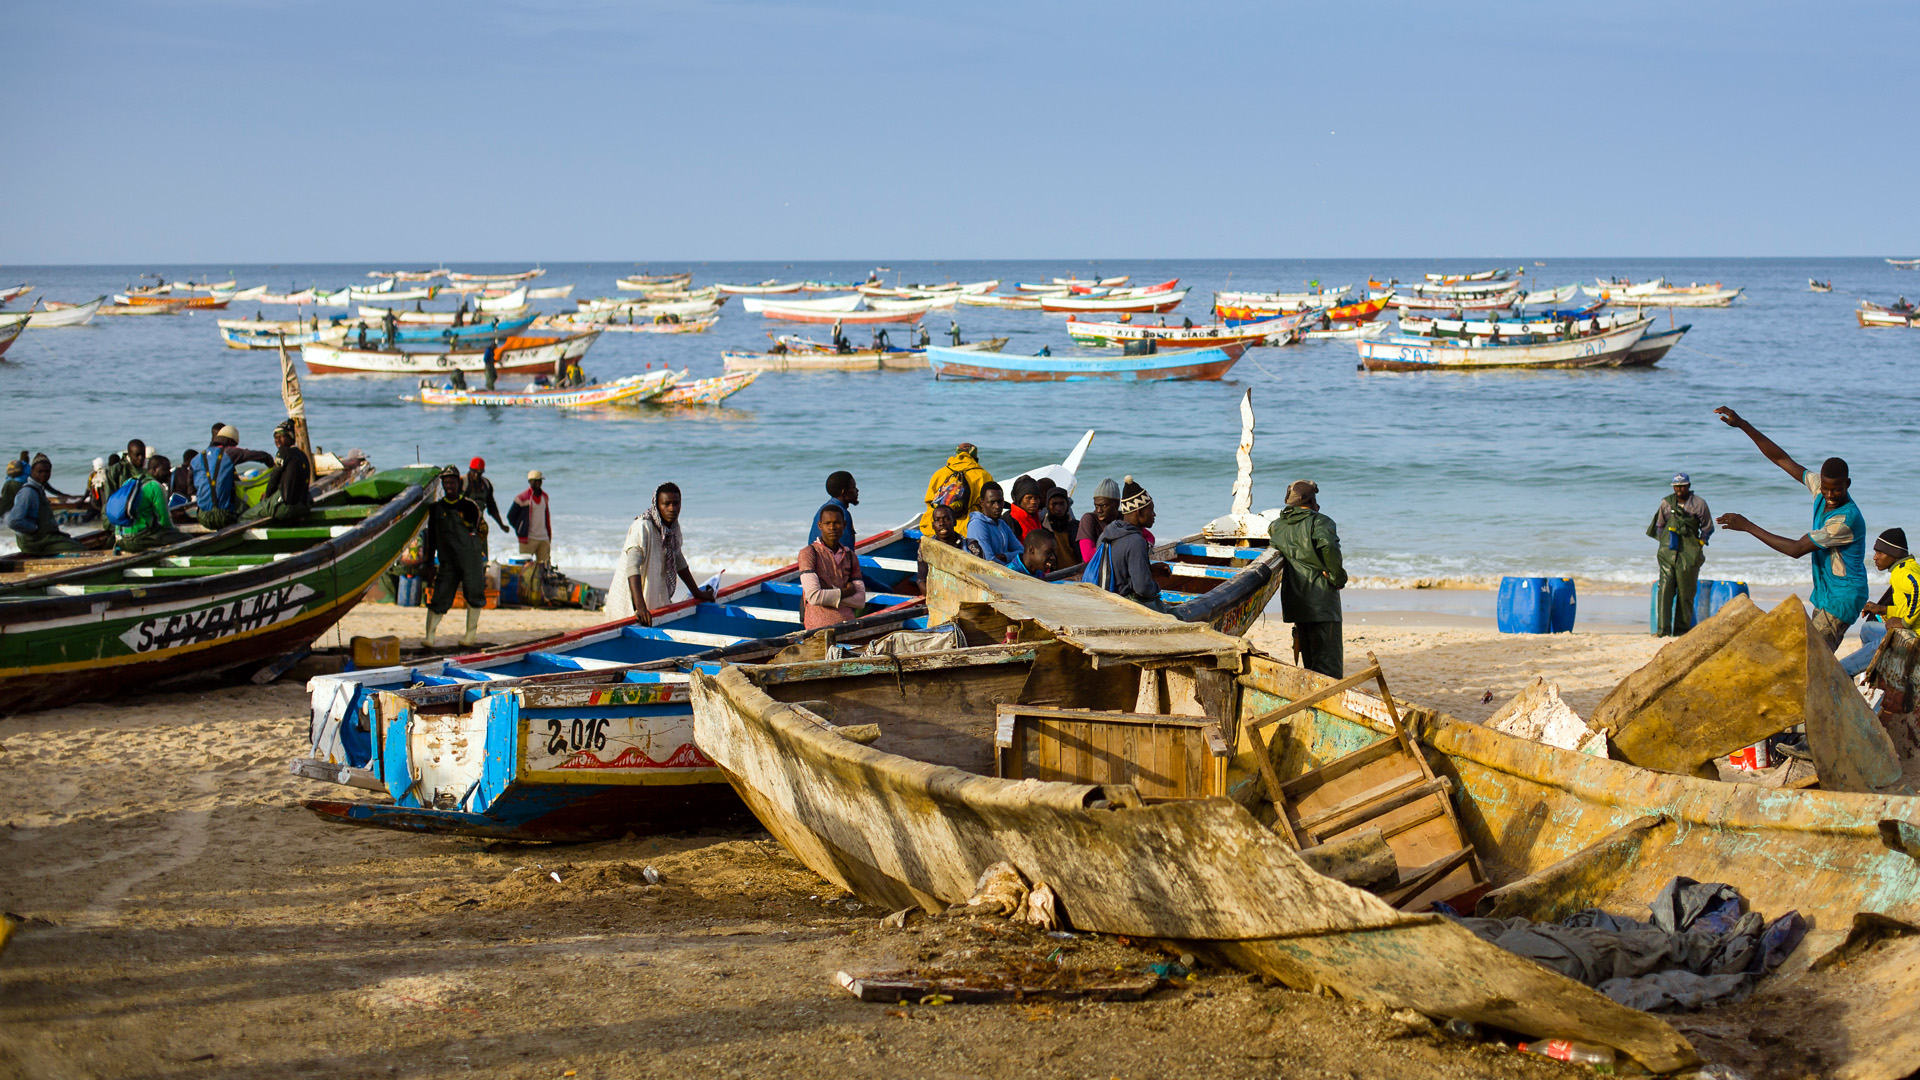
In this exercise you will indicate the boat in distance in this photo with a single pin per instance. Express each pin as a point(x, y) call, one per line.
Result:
point(1155, 302)
point(829, 359)
point(1279, 330)
point(849, 302)
point(520, 355)
point(912, 314)
point(1610, 348)
point(631, 390)
point(1167, 366)
point(52, 314)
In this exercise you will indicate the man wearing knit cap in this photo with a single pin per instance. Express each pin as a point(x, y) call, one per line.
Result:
point(1682, 524)
point(1311, 579)
point(1129, 554)
point(1106, 511)
point(1837, 539)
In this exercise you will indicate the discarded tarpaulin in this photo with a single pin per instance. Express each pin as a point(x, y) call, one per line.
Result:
point(1701, 946)
point(1537, 714)
point(1737, 678)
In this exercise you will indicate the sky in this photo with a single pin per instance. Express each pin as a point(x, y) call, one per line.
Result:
point(250, 131)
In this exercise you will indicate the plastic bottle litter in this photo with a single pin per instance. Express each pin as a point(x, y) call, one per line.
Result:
point(652, 875)
point(1578, 1053)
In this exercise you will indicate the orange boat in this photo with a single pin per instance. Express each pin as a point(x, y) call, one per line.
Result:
point(1362, 311)
point(219, 300)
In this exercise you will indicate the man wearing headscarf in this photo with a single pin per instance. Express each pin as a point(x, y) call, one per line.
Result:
point(650, 561)
point(958, 484)
point(1106, 511)
point(1682, 524)
point(289, 492)
point(1130, 566)
point(1311, 578)
point(16, 479)
point(456, 557)
point(34, 521)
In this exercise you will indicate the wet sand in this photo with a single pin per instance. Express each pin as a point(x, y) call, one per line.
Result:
point(185, 916)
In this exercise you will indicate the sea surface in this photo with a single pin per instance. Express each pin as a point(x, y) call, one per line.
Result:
point(1460, 478)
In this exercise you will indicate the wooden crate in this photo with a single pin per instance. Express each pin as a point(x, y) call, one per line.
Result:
point(1162, 757)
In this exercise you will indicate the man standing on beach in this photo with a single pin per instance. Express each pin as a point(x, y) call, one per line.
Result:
point(1311, 579)
point(1838, 535)
point(532, 518)
point(1682, 523)
point(456, 557)
point(650, 561)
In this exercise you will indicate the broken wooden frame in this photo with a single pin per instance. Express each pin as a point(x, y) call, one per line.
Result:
point(1161, 756)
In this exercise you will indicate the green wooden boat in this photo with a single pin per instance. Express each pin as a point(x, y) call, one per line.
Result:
point(241, 596)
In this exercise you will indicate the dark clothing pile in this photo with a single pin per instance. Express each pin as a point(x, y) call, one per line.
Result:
point(1701, 947)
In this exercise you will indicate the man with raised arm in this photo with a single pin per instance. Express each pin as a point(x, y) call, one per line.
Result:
point(1837, 537)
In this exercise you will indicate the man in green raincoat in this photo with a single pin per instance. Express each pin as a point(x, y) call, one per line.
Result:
point(1311, 581)
point(1681, 523)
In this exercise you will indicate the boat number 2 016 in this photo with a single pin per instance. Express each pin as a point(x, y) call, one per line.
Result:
point(583, 735)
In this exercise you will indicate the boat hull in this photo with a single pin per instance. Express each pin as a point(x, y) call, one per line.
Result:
point(79, 315)
point(629, 391)
point(1154, 303)
point(544, 358)
point(1169, 366)
point(1420, 354)
point(707, 391)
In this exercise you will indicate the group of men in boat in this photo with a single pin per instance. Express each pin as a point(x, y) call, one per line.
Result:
point(1837, 541)
point(144, 498)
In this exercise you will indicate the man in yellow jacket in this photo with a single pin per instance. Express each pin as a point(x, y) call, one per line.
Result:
point(956, 484)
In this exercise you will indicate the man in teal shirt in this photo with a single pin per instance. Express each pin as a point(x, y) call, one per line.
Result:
point(1837, 538)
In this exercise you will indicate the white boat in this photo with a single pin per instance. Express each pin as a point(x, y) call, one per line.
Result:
point(1609, 349)
point(1586, 323)
point(303, 298)
point(1161, 302)
point(608, 310)
point(1282, 301)
point(440, 318)
point(769, 287)
point(849, 302)
point(537, 356)
point(651, 282)
point(77, 315)
point(1547, 297)
point(1454, 303)
point(922, 303)
point(1483, 275)
point(509, 302)
point(407, 275)
point(1659, 294)
point(17, 290)
point(1904, 264)
point(253, 292)
point(273, 333)
point(1029, 302)
point(524, 275)
point(630, 390)
point(200, 286)
point(1342, 331)
point(551, 292)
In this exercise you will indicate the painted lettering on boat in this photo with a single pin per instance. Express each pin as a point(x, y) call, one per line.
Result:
point(221, 620)
point(616, 743)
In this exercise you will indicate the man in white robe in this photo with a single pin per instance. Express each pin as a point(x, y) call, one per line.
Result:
point(650, 560)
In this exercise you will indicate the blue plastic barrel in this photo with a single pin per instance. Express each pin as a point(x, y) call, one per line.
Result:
point(1724, 592)
point(407, 593)
point(1524, 606)
point(1563, 603)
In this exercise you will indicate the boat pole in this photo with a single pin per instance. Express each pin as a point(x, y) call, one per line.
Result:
point(291, 397)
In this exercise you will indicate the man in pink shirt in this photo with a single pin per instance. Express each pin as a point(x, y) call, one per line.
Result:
point(831, 588)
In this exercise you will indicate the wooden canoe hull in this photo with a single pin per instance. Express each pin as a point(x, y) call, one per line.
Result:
point(706, 391)
point(628, 391)
point(9, 332)
point(1169, 366)
point(1155, 303)
point(1420, 354)
point(846, 318)
point(535, 357)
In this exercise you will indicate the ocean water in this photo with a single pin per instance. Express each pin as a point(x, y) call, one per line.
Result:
point(1431, 476)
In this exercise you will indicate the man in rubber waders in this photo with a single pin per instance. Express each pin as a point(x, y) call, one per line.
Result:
point(457, 556)
point(1682, 524)
point(1312, 578)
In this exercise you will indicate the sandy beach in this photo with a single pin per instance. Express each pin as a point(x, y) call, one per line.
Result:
point(183, 915)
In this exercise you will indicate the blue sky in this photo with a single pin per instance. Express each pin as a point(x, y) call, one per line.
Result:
point(568, 129)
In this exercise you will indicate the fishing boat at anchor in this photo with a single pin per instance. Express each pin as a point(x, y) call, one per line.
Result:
point(1279, 330)
point(710, 391)
point(56, 314)
point(1610, 348)
point(800, 354)
point(631, 390)
point(274, 333)
point(1282, 303)
point(1170, 365)
point(514, 356)
point(387, 729)
point(10, 328)
point(769, 287)
point(93, 625)
point(524, 275)
point(1155, 302)
point(1359, 311)
point(1900, 314)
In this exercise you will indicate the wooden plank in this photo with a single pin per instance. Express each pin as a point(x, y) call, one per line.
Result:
point(1367, 811)
point(1300, 786)
point(1299, 704)
point(1427, 876)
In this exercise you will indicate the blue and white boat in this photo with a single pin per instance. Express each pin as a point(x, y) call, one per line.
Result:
point(1159, 366)
point(413, 333)
point(582, 735)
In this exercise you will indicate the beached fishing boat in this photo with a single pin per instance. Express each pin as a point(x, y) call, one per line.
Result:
point(1401, 353)
point(56, 314)
point(1157, 302)
point(1357, 312)
point(10, 328)
point(1168, 365)
point(238, 598)
point(524, 275)
point(514, 356)
point(850, 302)
point(631, 390)
point(1279, 330)
point(14, 292)
point(803, 355)
point(710, 391)
point(769, 287)
point(386, 729)
point(815, 316)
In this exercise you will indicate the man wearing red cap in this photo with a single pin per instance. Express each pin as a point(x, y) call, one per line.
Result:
point(480, 490)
